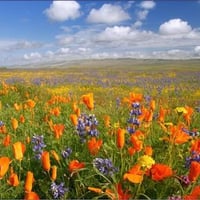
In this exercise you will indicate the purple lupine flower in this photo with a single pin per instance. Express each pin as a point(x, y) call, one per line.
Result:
point(135, 105)
point(1, 123)
point(191, 133)
point(194, 157)
point(131, 130)
point(133, 121)
point(67, 152)
point(87, 126)
point(38, 142)
point(175, 197)
point(184, 180)
point(105, 166)
point(58, 190)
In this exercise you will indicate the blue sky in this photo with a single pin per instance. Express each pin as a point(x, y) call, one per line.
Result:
point(34, 32)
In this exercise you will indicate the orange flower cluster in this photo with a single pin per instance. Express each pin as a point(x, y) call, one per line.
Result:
point(94, 145)
point(58, 130)
point(160, 171)
point(136, 140)
point(88, 100)
point(75, 165)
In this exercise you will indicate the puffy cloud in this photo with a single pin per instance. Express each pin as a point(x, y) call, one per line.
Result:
point(108, 14)
point(31, 56)
point(175, 26)
point(63, 10)
point(197, 50)
point(115, 33)
point(147, 5)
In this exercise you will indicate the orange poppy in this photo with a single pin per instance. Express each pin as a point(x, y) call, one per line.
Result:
point(45, 158)
point(55, 111)
point(14, 123)
point(137, 143)
point(74, 106)
point(53, 173)
point(58, 130)
point(75, 165)
point(120, 138)
point(148, 116)
point(17, 106)
point(195, 194)
point(29, 182)
point(28, 139)
point(3, 129)
point(13, 179)
point(18, 149)
point(78, 112)
point(178, 136)
point(74, 119)
point(148, 150)
point(30, 103)
point(187, 116)
point(88, 100)
point(120, 195)
point(134, 175)
point(4, 166)
point(143, 115)
point(160, 171)
point(7, 140)
point(22, 118)
point(195, 146)
point(55, 155)
point(31, 196)
point(97, 190)
point(161, 115)
point(152, 105)
point(107, 120)
point(135, 97)
point(194, 171)
point(94, 145)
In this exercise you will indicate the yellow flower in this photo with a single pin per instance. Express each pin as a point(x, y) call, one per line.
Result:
point(146, 161)
point(116, 125)
point(180, 110)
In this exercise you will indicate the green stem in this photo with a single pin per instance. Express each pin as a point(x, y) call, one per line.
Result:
point(137, 191)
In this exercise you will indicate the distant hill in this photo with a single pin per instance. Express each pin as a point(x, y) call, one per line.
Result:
point(126, 62)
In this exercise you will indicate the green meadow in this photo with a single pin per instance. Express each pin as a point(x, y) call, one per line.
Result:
point(111, 129)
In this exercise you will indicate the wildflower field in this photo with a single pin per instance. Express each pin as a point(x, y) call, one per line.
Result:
point(100, 132)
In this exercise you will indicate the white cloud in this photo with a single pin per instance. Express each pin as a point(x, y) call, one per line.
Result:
point(31, 56)
point(63, 51)
point(175, 26)
point(197, 50)
point(137, 24)
point(108, 14)
point(147, 5)
point(142, 14)
point(63, 10)
point(115, 33)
